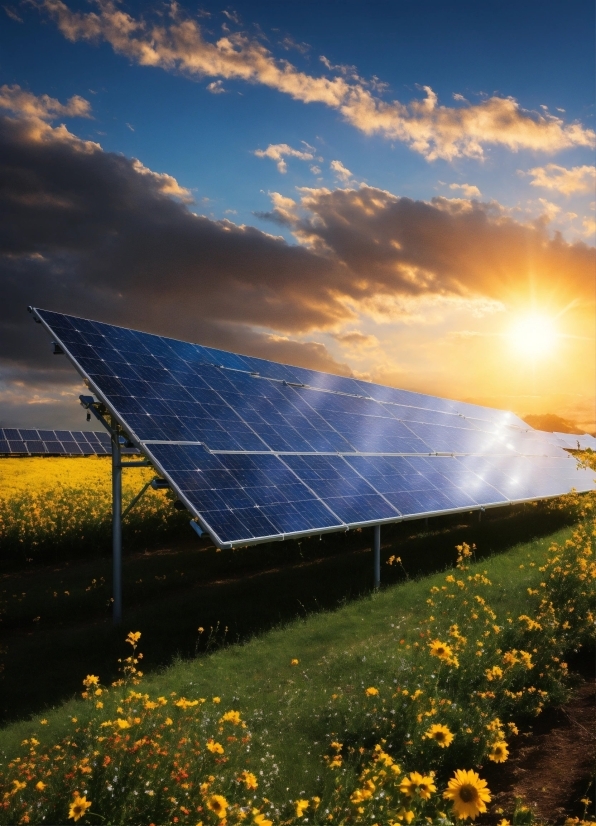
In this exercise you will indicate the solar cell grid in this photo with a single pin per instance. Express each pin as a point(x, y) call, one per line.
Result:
point(273, 422)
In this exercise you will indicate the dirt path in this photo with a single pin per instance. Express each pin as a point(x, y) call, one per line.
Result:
point(551, 766)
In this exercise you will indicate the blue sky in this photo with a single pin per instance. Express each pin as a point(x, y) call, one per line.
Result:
point(507, 144)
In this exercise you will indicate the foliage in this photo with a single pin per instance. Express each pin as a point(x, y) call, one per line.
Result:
point(409, 749)
point(61, 507)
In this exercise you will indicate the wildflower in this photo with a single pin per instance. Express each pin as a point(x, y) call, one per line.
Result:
point(168, 721)
point(133, 637)
point(17, 786)
point(494, 673)
point(215, 748)
point(301, 807)
point(468, 793)
point(372, 691)
point(498, 752)
point(440, 734)
point(40, 786)
point(249, 780)
point(258, 818)
point(90, 680)
point(78, 807)
point(417, 783)
point(122, 724)
point(218, 804)
point(294, 661)
point(504, 822)
point(231, 717)
point(441, 650)
point(43, 722)
point(216, 700)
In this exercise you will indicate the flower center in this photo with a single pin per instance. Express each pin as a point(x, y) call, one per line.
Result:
point(468, 793)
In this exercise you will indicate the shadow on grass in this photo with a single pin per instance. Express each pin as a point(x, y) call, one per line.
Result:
point(58, 619)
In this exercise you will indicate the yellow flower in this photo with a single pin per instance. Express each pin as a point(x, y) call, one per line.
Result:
point(498, 752)
point(441, 650)
point(231, 717)
point(218, 804)
point(301, 807)
point(122, 724)
point(215, 748)
point(494, 673)
point(261, 820)
point(78, 807)
point(249, 780)
point(416, 783)
point(43, 722)
point(90, 680)
point(133, 637)
point(504, 822)
point(168, 721)
point(468, 793)
point(216, 700)
point(40, 786)
point(294, 661)
point(372, 691)
point(440, 734)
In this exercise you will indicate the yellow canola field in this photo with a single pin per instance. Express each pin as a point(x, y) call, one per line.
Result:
point(63, 503)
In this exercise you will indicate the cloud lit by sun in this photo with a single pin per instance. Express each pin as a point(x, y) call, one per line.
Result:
point(533, 336)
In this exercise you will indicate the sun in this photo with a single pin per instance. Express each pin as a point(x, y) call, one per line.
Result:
point(533, 335)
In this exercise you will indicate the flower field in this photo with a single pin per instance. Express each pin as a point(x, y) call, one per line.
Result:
point(61, 507)
point(406, 741)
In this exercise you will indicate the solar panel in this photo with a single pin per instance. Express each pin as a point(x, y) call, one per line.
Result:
point(259, 450)
point(28, 442)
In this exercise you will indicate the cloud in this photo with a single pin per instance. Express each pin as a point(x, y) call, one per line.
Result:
point(356, 339)
point(469, 190)
point(278, 151)
point(577, 180)
point(97, 234)
point(393, 246)
point(216, 87)
point(13, 14)
point(433, 130)
point(341, 172)
point(21, 102)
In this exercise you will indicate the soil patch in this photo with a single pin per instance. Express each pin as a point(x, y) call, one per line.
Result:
point(551, 765)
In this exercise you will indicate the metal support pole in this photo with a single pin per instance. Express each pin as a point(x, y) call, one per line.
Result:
point(377, 556)
point(116, 528)
point(480, 516)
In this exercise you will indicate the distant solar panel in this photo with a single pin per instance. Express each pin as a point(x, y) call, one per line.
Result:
point(29, 442)
point(259, 450)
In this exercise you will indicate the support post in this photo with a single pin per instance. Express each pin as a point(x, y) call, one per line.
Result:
point(377, 556)
point(116, 528)
point(480, 516)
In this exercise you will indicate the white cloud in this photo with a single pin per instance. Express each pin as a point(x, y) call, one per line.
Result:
point(278, 151)
point(341, 171)
point(24, 103)
point(433, 130)
point(216, 87)
point(469, 190)
point(577, 180)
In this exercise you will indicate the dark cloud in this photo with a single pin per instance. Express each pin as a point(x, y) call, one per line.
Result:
point(97, 234)
point(394, 245)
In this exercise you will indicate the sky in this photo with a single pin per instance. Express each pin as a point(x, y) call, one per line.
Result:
point(398, 191)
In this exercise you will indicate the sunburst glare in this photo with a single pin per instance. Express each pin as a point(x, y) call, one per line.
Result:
point(533, 336)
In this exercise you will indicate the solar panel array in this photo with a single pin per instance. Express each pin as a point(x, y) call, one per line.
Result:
point(31, 442)
point(259, 450)
point(574, 441)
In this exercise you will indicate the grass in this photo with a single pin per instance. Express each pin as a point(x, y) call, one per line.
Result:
point(57, 621)
point(339, 652)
